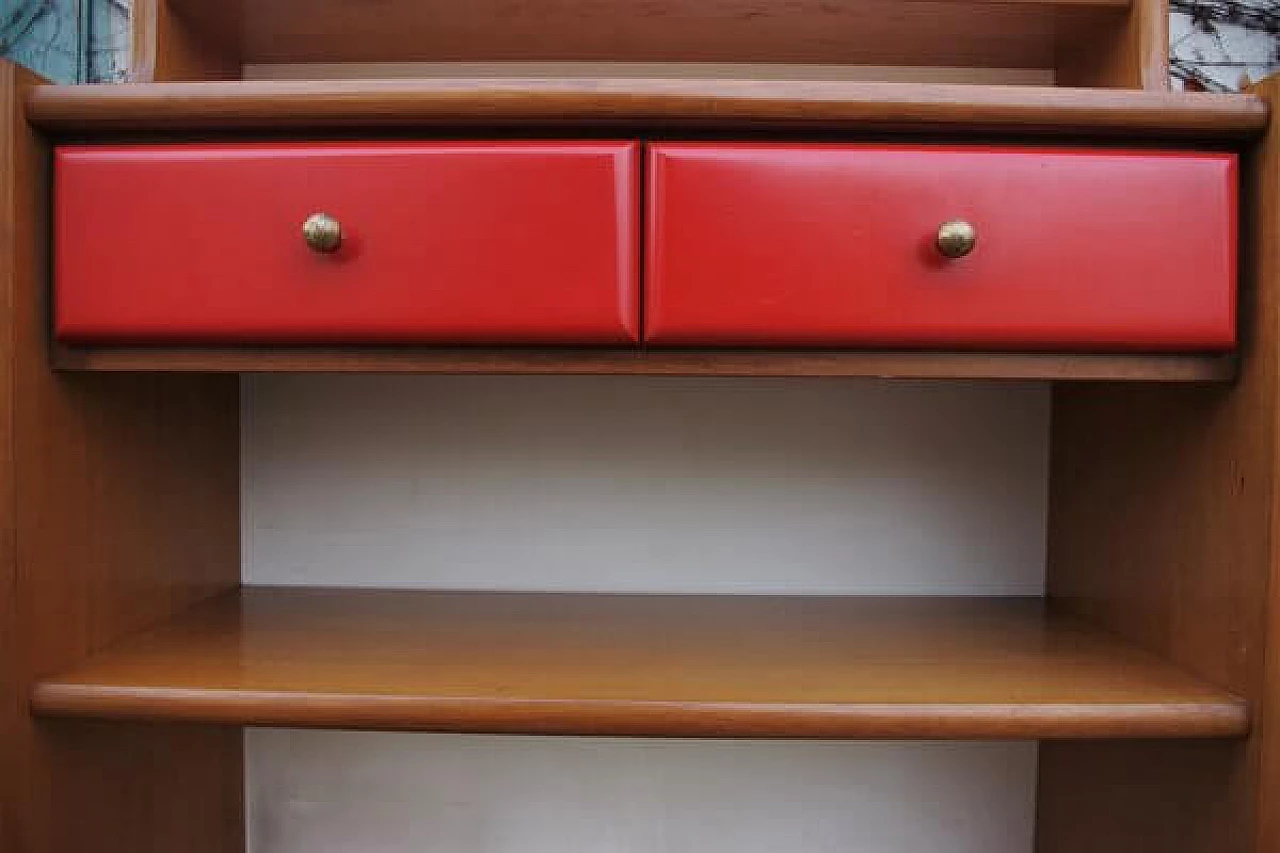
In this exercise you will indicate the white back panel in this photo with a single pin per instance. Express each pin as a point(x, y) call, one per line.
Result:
point(318, 792)
point(645, 484)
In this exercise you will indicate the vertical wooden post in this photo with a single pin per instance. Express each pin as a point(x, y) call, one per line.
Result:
point(171, 42)
point(1164, 509)
point(118, 507)
point(1263, 264)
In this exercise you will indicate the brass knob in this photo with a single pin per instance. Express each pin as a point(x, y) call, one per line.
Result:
point(322, 232)
point(956, 238)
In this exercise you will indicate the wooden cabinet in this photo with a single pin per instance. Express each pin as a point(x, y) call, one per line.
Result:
point(845, 246)
point(154, 249)
point(517, 242)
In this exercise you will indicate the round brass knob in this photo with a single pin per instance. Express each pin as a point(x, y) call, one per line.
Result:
point(956, 238)
point(322, 232)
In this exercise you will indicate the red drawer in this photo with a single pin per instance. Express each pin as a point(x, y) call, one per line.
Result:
point(836, 245)
point(440, 243)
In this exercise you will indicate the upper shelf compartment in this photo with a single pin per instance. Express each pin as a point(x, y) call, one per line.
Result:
point(1078, 42)
point(1008, 33)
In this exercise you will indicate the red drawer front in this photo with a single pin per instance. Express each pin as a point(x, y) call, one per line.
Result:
point(835, 245)
point(441, 243)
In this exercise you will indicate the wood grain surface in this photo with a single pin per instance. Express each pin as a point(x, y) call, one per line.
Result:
point(1168, 796)
point(119, 508)
point(815, 363)
point(741, 666)
point(1132, 53)
point(195, 42)
point(639, 102)
point(1263, 260)
point(17, 151)
point(1007, 33)
point(1163, 513)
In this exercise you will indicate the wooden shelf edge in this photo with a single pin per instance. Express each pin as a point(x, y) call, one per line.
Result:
point(642, 665)
point(619, 102)
point(1226, 719)
point(887, 365)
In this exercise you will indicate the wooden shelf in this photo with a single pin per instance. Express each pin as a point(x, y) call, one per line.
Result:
point(630, 102)
point(886, 365)
point(642, 665)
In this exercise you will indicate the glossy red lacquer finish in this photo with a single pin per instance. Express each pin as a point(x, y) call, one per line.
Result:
point(833, 245)
point(442, 242)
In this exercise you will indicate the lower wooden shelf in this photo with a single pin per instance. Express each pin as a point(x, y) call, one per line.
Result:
point(700, 666)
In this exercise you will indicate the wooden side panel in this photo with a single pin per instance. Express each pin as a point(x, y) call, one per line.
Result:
point(1166, 796)
point(1131, 52)
point(1162, 512)
point(201, 42)
point(12, 258)
point(141, 788)
point(21, 161)
point(119, 508)
point(1264, 260)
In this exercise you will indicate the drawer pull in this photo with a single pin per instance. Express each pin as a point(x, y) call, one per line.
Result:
point(322, 232)
point(956, 238)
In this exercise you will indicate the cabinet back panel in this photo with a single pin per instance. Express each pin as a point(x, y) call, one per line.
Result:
point(323, 792)
point(645, 484)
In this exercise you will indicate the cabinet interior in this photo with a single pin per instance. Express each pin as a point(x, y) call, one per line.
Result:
point(344, 473)
point(1075, 42)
